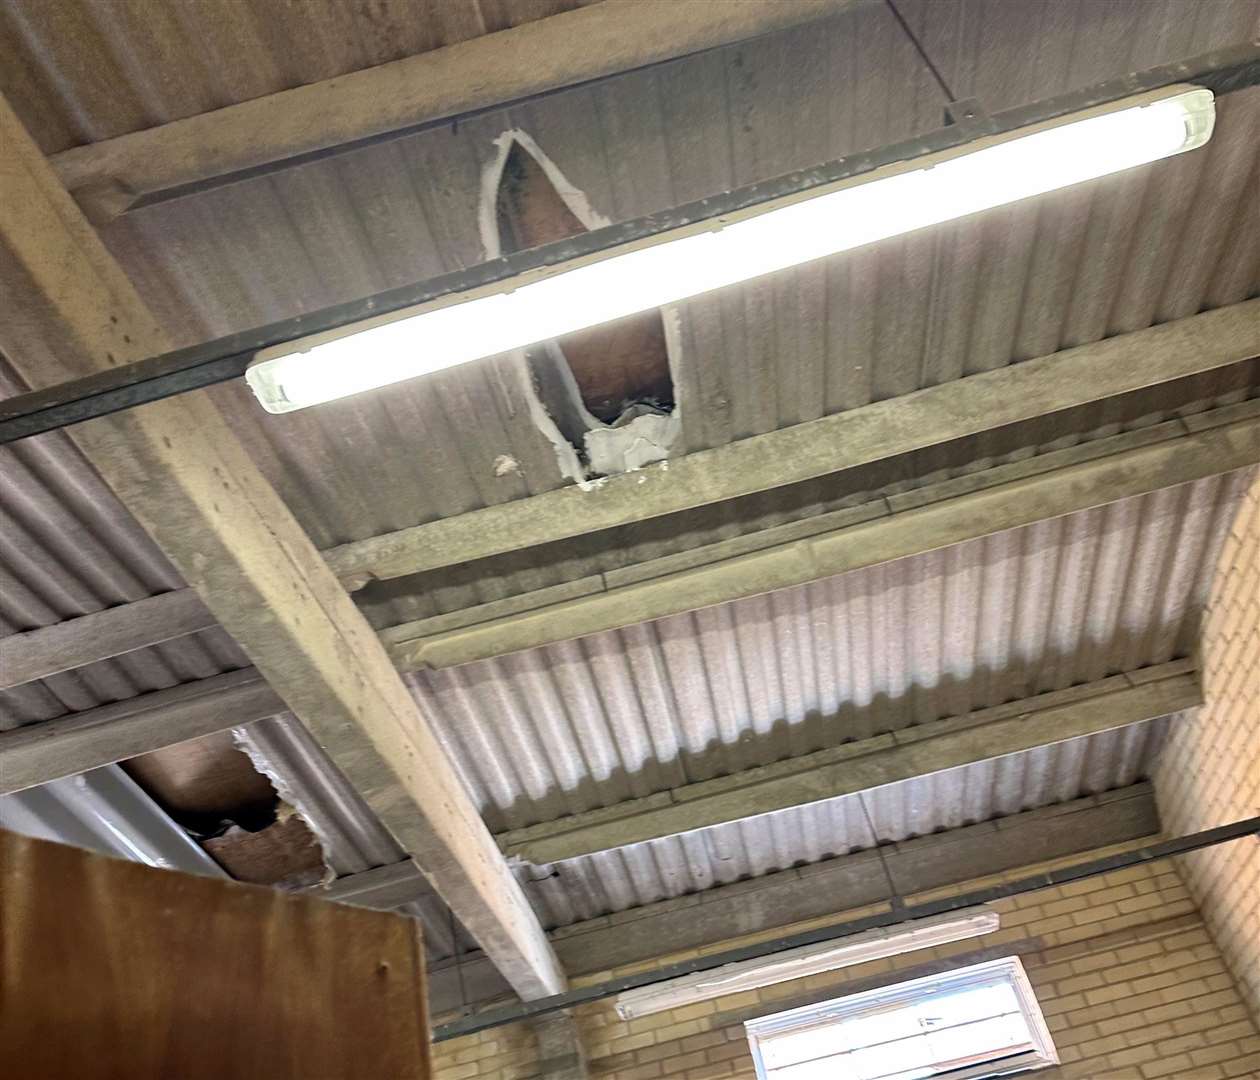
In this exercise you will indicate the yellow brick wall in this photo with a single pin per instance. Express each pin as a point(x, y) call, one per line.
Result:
point(1130, 982)
point(1209, 773)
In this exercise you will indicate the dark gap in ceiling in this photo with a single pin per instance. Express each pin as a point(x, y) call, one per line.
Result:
point(211, 789)
point(615, 365)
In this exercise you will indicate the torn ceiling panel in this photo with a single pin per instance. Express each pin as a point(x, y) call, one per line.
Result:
point(213, 790)
point(608, 390)
point(349, 834)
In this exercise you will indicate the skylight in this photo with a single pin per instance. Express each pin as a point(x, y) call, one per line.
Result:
point(975, 1022)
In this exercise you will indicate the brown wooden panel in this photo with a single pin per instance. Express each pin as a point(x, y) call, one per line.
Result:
point(112, 969)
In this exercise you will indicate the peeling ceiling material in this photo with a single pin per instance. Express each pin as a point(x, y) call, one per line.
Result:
point(351, 837)
point(624, 714)
point(594, 885)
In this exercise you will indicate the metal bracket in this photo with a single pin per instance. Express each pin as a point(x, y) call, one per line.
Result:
point(971, 116)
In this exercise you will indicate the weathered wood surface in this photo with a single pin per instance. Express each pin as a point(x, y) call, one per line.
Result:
point(589, 43)
point(113, 969)
point(70, 311)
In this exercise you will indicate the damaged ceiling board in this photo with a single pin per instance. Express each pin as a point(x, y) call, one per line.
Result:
point(178, 468)
point(588, 392)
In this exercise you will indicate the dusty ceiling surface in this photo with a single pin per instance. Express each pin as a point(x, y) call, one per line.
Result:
point(592, 722)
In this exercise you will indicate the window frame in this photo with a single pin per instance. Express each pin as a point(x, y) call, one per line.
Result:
point(1042, 1056)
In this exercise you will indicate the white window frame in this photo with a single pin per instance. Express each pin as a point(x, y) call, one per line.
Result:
point(1042, 1056)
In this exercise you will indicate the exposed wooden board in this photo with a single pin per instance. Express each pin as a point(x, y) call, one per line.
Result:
point(868, 763)
point(843, 883)
point(72, 744)
point(102, 634)
point(178, 468)
point(470, 76)
point(1001, 498)
point(845, 440)
point(210, 777)
point(116, 969)
point(284, 854)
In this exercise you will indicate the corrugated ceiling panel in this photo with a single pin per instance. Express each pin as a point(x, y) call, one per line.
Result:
point(913, 312)
point(1069, 268)
point(595, 721)
point(68, 548)
point(594, 885)
point(86, 70)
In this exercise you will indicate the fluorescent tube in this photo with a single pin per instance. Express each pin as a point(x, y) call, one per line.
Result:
point(544, 304)
point(807, 960)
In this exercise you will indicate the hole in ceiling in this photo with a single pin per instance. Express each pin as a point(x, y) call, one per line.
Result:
point(212, 790)
point(609, 390)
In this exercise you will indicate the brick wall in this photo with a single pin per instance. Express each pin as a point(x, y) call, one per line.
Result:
point(1210, 771)
point(1131, 984)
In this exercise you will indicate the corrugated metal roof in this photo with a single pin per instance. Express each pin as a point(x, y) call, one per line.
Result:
point(1073, 267)
point(68, 547)
point(594, 885)
point(593, 722)
point(587, 723)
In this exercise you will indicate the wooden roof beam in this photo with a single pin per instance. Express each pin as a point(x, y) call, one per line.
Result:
point(71, 311)
point(869, 763)
point(471, 76)
point(947, 512)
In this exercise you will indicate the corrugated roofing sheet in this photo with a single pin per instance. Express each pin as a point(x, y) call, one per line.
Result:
point(87, 70)
point(1073, 267)
point(595, 721)
point(592, 722)
point(68, 547)
point(585, 888)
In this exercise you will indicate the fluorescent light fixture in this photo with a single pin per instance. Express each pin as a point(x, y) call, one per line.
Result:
point(807, 960)
point(799, 228)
